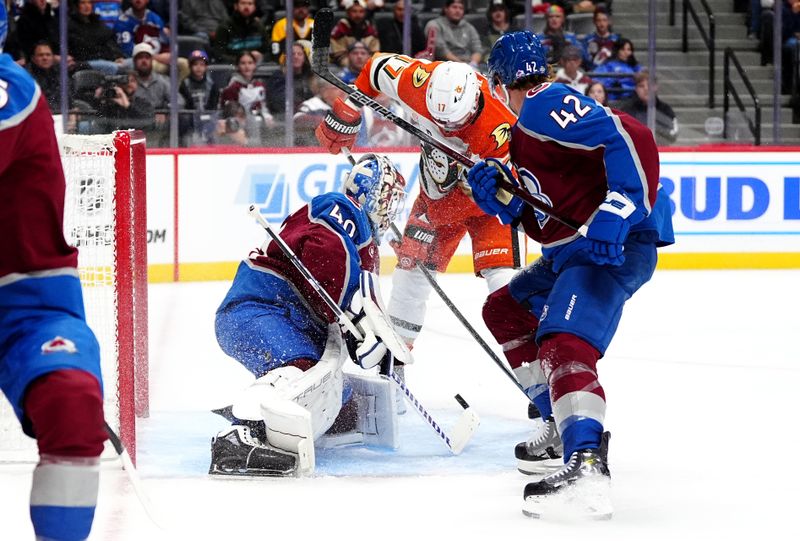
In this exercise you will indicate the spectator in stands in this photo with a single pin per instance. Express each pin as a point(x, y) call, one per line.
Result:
point(790, 22)
point(456, 39)
point(91, 41)
point(554, 37)
point(276, 84)
point(580, 6)
point(150, 86)
point(500, 22)
point(200, 95)
point(138, 24)
point(242, 32)
point(119, 108)
point(357, 56)
point(570, 71)
point(251, 93)
point(636, 106)
point(198, 90)
point(377, 131)
point(623, 61)
point(302, 23)
point(231, 128)
point(47, 73)
point(753, 18)
point(354, 27)
point(597, 91)
point(599, 45)
point(37, 23)
point(313, 110)
point(108, 11)
point(201, 18)
point(390, 32)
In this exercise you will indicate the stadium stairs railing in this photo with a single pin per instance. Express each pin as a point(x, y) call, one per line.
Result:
point(729, 90)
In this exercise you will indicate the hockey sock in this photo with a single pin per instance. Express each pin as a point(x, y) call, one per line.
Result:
point(513, 327)
point(65, 411)
point(579, 405)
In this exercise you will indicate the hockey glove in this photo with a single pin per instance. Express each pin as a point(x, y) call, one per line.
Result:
point(609, 228)
point(484, 178)
point(368, 352)
point(340, 127)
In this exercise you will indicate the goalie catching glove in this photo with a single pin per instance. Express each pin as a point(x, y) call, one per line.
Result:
point(484, 178)
point(378, 343)
point(339, 128)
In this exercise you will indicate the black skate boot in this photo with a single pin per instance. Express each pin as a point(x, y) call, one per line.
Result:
point(543, 452)
point(236, 452)
point(579, 489)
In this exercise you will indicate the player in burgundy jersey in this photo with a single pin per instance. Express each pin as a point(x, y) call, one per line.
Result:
point(49, 358)
point(597, 167)
point(274, 323)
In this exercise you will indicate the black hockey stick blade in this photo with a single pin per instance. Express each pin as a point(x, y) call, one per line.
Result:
point(321, 39)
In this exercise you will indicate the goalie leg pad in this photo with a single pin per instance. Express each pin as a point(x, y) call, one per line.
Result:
point(375, 405)
point(298, 406)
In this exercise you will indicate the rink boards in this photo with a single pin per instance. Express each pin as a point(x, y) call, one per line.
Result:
point(732, 207)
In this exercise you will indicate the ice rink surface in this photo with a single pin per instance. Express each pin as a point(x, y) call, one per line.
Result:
point(701, 383)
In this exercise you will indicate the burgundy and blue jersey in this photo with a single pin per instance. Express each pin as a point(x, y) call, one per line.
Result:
point(332, 236)
point(131, 31)
point(556, 125)
point(31, 181)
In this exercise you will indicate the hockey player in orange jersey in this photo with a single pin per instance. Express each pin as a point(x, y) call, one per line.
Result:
point(451, 102)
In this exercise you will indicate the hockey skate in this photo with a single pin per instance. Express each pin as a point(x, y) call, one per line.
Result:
point(578, 490)
point(543, 452)
point(235, 451)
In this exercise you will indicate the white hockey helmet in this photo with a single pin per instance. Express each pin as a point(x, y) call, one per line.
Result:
point(379, 188)
point(453, 95)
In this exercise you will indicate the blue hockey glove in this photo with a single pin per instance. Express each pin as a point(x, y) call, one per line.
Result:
point(484, 178)
point(610, 227)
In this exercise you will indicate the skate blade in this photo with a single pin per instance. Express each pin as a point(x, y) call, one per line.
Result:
point(542, 467)
point(587, 500)
point(214, 470)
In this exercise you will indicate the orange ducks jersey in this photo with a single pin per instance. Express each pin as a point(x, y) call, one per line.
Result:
point(441, 214)
point(405, 80)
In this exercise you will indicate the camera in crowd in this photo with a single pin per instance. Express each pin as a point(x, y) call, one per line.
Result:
point(109, 84)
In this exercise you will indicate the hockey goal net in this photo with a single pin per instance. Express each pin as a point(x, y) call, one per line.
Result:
point(105, 217)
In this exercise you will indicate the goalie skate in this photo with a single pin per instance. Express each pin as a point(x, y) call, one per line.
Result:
point(543, 452)
point(578, 490)
point(235, 451)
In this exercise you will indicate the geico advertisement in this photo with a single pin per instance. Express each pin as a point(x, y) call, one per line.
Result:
point(734, 201)
point(215, 192)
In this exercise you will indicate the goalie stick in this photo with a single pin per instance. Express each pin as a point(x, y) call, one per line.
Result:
point(456, 312)
point(320, 45)
point(468, 421)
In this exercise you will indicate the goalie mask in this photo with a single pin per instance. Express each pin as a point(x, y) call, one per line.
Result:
point(379, 188)
point(453, 95)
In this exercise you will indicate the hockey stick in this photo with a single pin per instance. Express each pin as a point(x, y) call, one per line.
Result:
point(456, 312)
point(467, 422)
point(320, 45)
point(133, 476)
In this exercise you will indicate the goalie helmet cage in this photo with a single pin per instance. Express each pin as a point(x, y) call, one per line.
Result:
point(105, 217)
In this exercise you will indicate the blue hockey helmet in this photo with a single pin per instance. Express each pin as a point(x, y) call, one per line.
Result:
point(514, 56)
point(3, 24)
point(379, 188)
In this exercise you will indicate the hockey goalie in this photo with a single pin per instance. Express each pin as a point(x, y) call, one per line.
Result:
point(274, 322)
